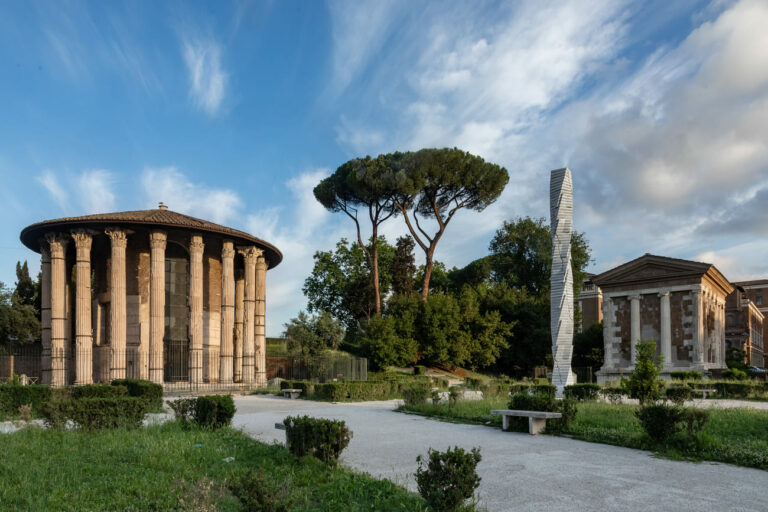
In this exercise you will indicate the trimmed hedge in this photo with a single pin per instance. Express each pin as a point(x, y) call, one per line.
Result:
point(307, 388)
point(319, 437)
point(356, 391)
point(149, 391)
point(214, 411)
point(585, 391)
point(613, 394)
point(679, 394)
point(96, 413)
point(734, 389)
point(98, 391)
point(419, 370)
point(13, 396)
point(542, 402)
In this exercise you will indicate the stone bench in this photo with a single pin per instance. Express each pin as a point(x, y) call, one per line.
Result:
point(537, 420)
point(704, 392)
point(291, 393)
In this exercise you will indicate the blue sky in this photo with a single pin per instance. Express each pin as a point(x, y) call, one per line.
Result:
point(233, 111)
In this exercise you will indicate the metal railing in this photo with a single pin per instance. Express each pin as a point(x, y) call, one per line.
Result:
point(317, 368)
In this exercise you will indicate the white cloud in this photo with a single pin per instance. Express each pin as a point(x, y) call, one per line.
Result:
point(207, 78)
point(172, 187)
point(51, 183)
point(95, 191)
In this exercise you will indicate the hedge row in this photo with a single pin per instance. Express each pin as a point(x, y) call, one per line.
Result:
point(149, 391)
point(96, 413)
point(355, 391)
point(13, 396)
point(211, 411)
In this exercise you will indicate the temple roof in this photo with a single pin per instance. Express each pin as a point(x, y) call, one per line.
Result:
point(160, 217)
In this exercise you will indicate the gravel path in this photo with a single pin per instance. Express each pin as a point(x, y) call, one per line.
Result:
point(521, 472)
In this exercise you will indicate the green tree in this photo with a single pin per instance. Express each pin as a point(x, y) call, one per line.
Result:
point(403, 266)
point(19, 322)
point(383, 346)
point(359, 184)
point(311, 335)
point(436, 184)
point(644, 382)
point(588, 347)
point(26, 288)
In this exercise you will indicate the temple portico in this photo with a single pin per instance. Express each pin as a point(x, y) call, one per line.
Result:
point(151, 294)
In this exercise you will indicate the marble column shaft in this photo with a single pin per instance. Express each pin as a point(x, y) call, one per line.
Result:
point(634, 331)
point(45, 310)
point(196, 247)
point(698, 326)
point(83, 326)
point(666, 328)
point(608, 328)
point(239, 327)
point(227, 312)
point(260, 340)
point(58, 246)
point(250, 255)
point(157, 244)
point(117, 302)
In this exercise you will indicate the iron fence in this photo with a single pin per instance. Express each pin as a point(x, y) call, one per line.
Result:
point(21, 359)
point(317, 368)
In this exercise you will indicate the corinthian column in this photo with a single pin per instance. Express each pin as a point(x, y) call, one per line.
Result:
point(239, 318)
point(157, 242)
point(250, 255)
point(227, 311)
point(260, 341)
point(45, 310)
point(58, 249)
point(83, 327)
point(196, 247)
point(666, 328)
point(117, 313)
point(634, 329)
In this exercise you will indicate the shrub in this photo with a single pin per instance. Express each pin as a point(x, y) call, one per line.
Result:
point(25, 412)
point(455, 394)
point(383, 346)
point(545, 389)
point(184, 409)
point(256, 493)
point(307, 388)
point(542, 402)
point(214, 411)
point(661, 421)
point(13, 396)
point(56, 413)
point(613, 394)
point(419, 370)
point(322, 438)
point(519, 387)
point(415, 395)
point(734, 374)
point(679, 394)
point(449, 478)
point(106, 413)
point(733, 389)
point(687, 375)
point(149, 391)
point(98, 391)
point(644, 383)
point(586, 391)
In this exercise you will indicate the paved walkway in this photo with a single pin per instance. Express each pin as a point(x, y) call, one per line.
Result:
point(521, 472)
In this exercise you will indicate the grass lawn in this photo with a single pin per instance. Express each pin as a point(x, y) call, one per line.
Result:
point(736, 436)
point(170, 468)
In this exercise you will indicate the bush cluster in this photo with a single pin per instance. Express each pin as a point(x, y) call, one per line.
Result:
point(734, 374)
point(585, 391)
point(353, 391)
point(679, 394)
point(419, 370)
point(661, 422)
point(613, 394)
point(307, 388)
point(735, 389)
point(214, 411)
point(542, 402)
point(96, 413)
point(449, 478)
point(98, 391)
point(415, 395)
point(149, 391)
point(322, 438)
point(257, 493)
point(13, 396)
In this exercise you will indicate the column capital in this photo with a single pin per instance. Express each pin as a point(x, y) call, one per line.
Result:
point(45, 250)
point(696, 291)
point(119, 236)
point(228, 249)
point(83, 238)
point(251, 253)
point(664, 293)
point(196, 244)
point(635, 297)
point(58, 244)
point(158, 240)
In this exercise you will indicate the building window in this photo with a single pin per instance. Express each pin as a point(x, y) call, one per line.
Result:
point(759, 300)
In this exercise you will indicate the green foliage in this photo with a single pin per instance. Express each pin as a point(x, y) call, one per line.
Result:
point(184, 410)
point(96, 413)
point(419, 370)
point(149, 391)
point(322, 438)
point(585, 391)
point(542, 402)
point(415, 395)
point(383, 346)
point(13, 396)
point(449, 478)
point(588, 347)
point(310, 335)
point(661, 422)
point(19, 321)
point(734, 374)
point(613, 394)
point(258, 494)
point(214, 411)
point(687, 375)
point(307, 388)
point(734, 389)
point(98, 391)
point(354, 391)
point(735, 358)
point(403, 266)
point(678, 395)
point(544, 389)
point(644, 382)
point(520, 387)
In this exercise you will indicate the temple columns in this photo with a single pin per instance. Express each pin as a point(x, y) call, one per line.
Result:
point(196, 247)
point(239, 320)
point(58, 246)
point(117, 302)
point(83, 327)
point(698, 327)
point(227, 311)
point(608, 329)
point(634, 325)
point(260, 341)
point(157, 243)
point(250, 255)
point(666, 328)
point(45, 310)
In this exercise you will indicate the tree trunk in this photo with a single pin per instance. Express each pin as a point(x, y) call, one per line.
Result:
point(375, 271)
point(427, 272)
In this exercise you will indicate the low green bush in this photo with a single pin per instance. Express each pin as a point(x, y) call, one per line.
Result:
point(542, 402)
point(307, 388)
point(734, 374)
point(149, 391)
point(661, 422)
point(184, 409)
point(613, 394)
point(734, 389)
point(96, 413)
point(449, 478)
point(322, 438)
point(544, 389)
point(679, 394)
point(98, 391)
point(687, 375)
point(214, 411)
point(419, 370)
point(257, 493)
point(585, 391)
point(415, 395)
point(519, 387)
point(13, 396)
